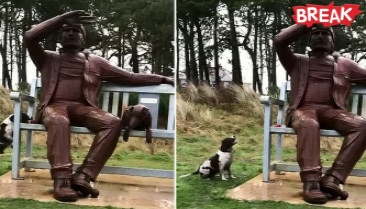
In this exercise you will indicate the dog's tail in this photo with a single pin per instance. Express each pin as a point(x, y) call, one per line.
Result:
point(190, 174)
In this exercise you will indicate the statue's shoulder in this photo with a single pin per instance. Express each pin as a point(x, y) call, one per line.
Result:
point(301, 56)
point(348, 63)
point(340, 59)
point(52, 54)
point(93, 56)
point(337, 56)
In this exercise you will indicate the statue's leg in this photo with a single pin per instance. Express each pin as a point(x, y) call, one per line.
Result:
point(108, 129)
point(56, 121)
point(353, 127)
point(306, 125)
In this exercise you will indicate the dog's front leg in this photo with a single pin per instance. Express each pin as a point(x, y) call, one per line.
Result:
point(222, 173)
point(231, 174)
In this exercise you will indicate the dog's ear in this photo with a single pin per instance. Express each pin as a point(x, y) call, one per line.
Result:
point(226, 145)
point(145, 110)
point(126, 117)
point(128, 109)
point(2, 130)
point(25, 118)
point(11, 118)
point(126, 134)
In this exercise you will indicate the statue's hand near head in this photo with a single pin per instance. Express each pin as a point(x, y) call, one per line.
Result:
point(73, 32)
point(318, 25)
point(77, 17)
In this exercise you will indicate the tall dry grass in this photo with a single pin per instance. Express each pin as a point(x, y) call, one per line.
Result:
point(207, 95)
point(189, 111)
point(202, 94)
point(84, 141)
point(195, 103)
point(327, 144)
point(189, 93)
point(203, 111)
point(245, 100)
point(5, 103)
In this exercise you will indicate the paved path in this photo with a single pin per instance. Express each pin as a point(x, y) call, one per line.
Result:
point(115, 190)
point(288, 188)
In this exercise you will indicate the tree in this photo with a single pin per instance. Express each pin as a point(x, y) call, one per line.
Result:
point(4, 47)
point(236, 68)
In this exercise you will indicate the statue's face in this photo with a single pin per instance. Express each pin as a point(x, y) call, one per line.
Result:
point(321, 40)
point(72, 37)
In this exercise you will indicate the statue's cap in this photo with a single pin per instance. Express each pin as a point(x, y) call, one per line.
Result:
point(320, 27)
point(79, 26)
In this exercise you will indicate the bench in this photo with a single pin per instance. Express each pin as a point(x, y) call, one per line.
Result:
point(110, 97)
point(357, 95)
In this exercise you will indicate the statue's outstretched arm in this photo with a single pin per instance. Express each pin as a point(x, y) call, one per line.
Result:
point(357, 73)
point(113, 73)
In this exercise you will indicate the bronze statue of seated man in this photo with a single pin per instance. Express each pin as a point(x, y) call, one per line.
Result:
point(71, 82)
point(320, 86)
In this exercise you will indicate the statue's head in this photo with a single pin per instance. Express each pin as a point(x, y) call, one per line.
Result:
point(322, 39)
point(73, 36)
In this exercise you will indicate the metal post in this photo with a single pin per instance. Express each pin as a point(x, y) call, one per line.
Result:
point(267, 142)
point(16, 137)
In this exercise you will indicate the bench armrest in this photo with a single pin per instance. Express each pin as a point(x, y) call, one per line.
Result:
point(267, 100)
point(17, 97)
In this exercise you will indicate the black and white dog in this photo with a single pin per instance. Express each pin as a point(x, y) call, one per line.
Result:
point(219, 163)
point(6, 131)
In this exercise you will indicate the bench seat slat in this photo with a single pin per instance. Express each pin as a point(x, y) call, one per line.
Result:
point(287, 130)
point(160, 89)
point(146, 172)
point(115, 103)
point(157, 133)
point(105, 101)
point(356, 89)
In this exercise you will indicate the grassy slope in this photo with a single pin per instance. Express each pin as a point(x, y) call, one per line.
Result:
point(198, 139)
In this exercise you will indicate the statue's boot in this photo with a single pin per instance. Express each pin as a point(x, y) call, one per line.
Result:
point(312, 193)
point(63, 191)
point(330, 185)
point(80, 182)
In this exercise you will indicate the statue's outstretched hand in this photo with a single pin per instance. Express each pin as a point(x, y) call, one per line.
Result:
point(168, 81)
point(77, 17)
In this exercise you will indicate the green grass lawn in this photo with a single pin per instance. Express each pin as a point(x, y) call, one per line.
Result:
point(199, 140)
point(17, 203)
point(127, 154)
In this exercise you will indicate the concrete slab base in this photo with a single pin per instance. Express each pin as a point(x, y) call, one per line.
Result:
point(115, 190)
point(288, 188)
